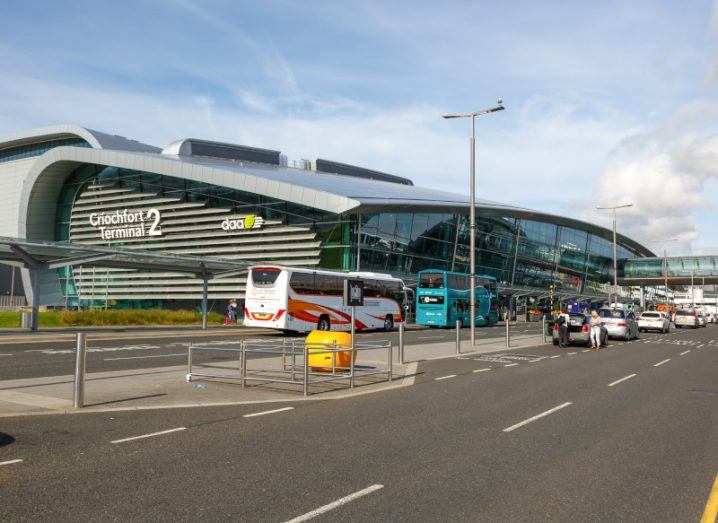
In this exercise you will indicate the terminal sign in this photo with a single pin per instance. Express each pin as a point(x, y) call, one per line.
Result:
point(251, 221)
point(125, 223)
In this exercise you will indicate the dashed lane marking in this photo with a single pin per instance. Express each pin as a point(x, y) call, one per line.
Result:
point(335, 504)
point(11, 462)
point(510, 364)
point(255, 414)
point(445, 377)
point(661, 362)
point(557, 356)
point(160, 433)
point(570, 354)
point(537, 416)
point(684, 352)
point(481, 370)
point(622, 379)
point(587, 350)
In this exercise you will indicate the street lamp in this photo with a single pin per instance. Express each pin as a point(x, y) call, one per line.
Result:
point(615, 263)
point(472, 208)
point(665, 266)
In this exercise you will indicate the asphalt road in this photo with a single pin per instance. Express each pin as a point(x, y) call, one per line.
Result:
point(33, 358)
point(629, 433)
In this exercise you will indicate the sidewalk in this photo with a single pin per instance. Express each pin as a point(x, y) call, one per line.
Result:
point(166, 387)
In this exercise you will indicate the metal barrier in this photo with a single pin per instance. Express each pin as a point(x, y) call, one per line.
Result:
point(289, 370)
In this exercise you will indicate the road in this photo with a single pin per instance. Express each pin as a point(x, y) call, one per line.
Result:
point(629, 433)
point(34, 358)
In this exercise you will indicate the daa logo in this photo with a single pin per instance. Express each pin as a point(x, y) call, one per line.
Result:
point(240, 224)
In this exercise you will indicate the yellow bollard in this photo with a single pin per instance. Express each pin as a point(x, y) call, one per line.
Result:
point(318, 341)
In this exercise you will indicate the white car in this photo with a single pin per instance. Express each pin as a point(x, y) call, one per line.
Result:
point(686, 318)
point(654, 320)
point(702, 320)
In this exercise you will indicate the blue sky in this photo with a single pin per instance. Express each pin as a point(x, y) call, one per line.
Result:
point(606, 101)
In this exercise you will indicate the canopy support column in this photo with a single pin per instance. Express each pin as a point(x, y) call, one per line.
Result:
point(35, 276)
point(643, 297)
point(205, 285)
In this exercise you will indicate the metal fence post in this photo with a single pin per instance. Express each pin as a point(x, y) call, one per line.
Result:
point(189, 362)
point(508, 338)
point(543, 328)
point(306, 370)
point(244, 364)
point(458, 337)
point(390, 360)
point(351, 365)
point(80, 351)
point(401, 343)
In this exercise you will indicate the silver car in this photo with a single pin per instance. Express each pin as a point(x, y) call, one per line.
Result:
point(579, 331)
point(654, 320)
point(702, 320)
point(620, 323)
point(686, 318)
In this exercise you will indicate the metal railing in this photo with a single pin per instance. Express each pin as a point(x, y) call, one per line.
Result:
point(292, 363)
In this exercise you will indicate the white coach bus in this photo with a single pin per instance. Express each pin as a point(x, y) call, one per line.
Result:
point(304, 299)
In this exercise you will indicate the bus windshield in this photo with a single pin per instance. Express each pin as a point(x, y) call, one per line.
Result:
point(431, 280)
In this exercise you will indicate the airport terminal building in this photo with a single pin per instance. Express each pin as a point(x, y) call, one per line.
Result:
point(196, 197)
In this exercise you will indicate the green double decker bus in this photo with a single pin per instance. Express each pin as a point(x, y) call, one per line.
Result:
point(443, 297)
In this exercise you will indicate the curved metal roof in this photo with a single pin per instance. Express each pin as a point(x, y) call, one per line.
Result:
point(96, 139)
point(329, 192)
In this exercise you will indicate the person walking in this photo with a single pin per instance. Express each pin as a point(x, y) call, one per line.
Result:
point(232, 312)
point(562, 331)
point(595, 330)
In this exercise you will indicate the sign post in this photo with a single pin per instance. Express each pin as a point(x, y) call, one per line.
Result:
point(353, 297)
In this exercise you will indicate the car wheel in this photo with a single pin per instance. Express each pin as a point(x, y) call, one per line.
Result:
point(324, 323)
point(388, 322)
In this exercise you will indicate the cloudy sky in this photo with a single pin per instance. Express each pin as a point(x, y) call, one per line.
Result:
point(607, 102)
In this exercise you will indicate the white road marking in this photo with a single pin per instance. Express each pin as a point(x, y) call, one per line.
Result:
point(149, 435)
point(571, 353)
point(662, 362)
point(12, 461)
point(684, 352)
point(587, 350)
point(5, 354)
point(622, 379)
point(481, 370)
point(510, 364)
point(537, 416)
point(557, 356)
point(144, 357)
point(267, 412)
point(445, 377)
point(430, 337)
point(335, 504)
point(699, 346)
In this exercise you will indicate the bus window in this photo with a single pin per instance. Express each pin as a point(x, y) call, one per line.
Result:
point(431, 280)
point(264, 277)
point(302, 282)
point(327, 285)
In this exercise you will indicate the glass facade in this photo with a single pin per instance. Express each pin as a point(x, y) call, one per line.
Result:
point(36, 149)
point(516, 251)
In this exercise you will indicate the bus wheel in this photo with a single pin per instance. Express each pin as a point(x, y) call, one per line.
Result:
point(389, 322)
point(324, 323)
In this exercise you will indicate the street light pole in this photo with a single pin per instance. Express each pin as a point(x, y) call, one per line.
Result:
point(615, 261)
point(665, 267)
point(472, 209)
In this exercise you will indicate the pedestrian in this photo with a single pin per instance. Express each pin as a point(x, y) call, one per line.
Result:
point(231, 312)
point(595, 331)
point(563, 330)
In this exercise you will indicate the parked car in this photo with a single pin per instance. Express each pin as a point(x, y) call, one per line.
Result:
point(654, 320)
point(620, 323)
point(686, 318)
point(579, 331)
point(702, 320)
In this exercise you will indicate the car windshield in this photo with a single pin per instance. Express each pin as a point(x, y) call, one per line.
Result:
point(684, 313)
point(607, 313)
point(650, 315)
